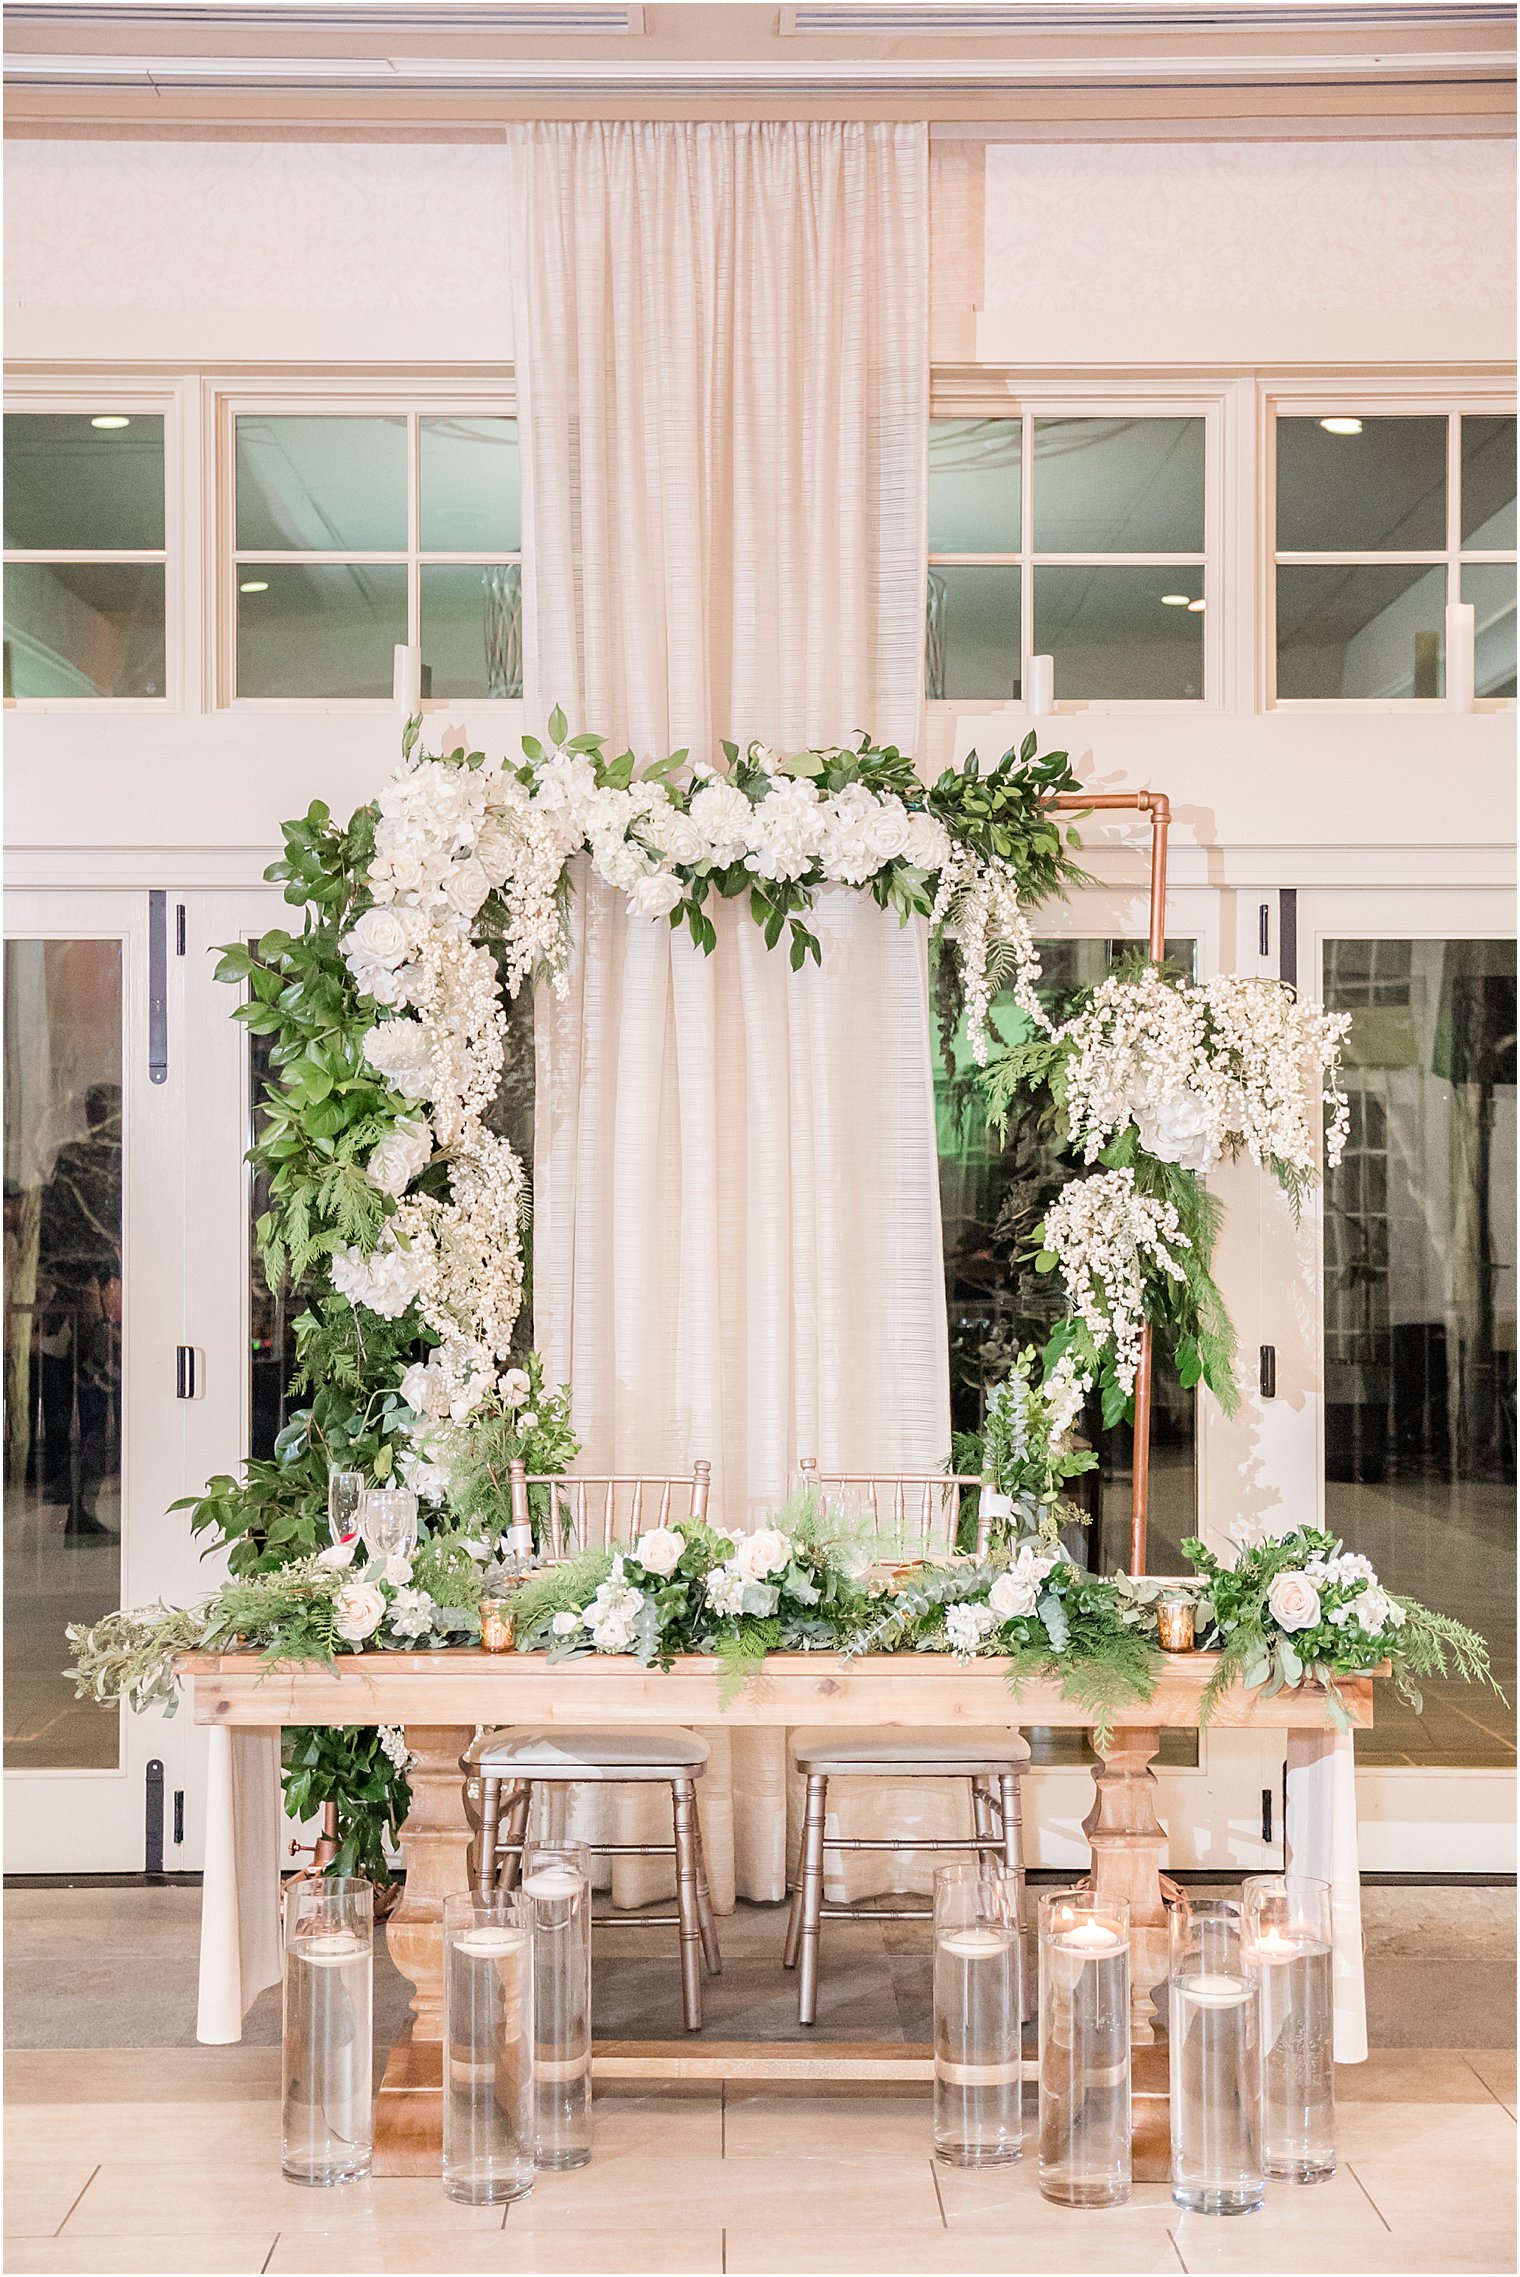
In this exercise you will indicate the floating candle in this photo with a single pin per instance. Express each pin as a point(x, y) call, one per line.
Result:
point(1090, 1937)
point(973, 1944)
point(553, 1882)
point(330, 1949)
point(495, 1941)
point(1216, 1991)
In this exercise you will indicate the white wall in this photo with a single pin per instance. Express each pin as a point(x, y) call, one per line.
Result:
point(1244, 253)
point(267, 252)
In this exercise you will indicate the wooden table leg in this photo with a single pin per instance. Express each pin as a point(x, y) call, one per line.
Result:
point(435, 1842)
point(1128, 1844)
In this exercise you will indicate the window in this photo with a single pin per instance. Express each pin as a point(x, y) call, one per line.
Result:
point(85, 555)
point(354, 534)
point(1381, 522)
point(1078, 539)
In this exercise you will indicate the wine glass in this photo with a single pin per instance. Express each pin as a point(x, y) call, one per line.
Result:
point(344, 1489)
point(388, 1521)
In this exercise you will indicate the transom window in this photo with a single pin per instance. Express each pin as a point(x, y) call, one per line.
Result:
point(85, 555)
point(1381, 521)
point(1079, 539)
point(354, 534)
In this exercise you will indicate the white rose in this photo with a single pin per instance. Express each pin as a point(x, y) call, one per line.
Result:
point(385, 936)
point(655, 895)
point(565, 1624)
point(397, 1569)
point(763, 1553)
point(515, 1386)
point(358, 1610)
point(1013, 1595)
point(424, 1390)
point(528, 1421)
point(659, 1551)
point(1293, 1602)
point(466, 885)
point(340, 1554)
point(887, 830)
point(400, 1156)
point(1178, 1130)
point(676, 835)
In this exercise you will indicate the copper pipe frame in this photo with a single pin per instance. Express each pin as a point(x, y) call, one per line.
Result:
point(1158, 807)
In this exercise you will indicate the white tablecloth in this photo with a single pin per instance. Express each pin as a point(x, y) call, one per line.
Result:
point(1321, 1842)
point(240, 1894)
point(240, 1903)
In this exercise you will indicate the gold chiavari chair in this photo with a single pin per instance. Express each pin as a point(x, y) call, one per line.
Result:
point(503, 1769)
point(912, 1515)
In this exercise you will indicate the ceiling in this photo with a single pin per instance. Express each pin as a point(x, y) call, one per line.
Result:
point(1074, 70)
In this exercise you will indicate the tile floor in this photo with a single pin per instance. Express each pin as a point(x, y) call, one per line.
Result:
point(165, 2160)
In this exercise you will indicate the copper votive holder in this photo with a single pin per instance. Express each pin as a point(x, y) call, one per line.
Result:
point(497, 1624)
point(1175, 1623)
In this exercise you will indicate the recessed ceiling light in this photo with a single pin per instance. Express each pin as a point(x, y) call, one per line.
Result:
point(1341, 426)
point(1196, 607)
point(254, 585)
point(1176, 600)
point(110, 419)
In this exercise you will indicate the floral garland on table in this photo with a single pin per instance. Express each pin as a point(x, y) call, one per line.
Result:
point(1296, 1607)
point(1293, 1608)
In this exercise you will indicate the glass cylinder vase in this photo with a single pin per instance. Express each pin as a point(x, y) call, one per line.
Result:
point(488, 2106)
point(978, 2007)
point(327, 2090)
point(1290, 1944)
point(1085, 2149)
point(1215, 2061)
point(556, 1881)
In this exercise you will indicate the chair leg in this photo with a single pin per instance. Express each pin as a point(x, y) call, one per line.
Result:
point(485, 1840)
point(684, 1812)
point(519, 1804)
point(811, 1880)
point(709, 1928)
point(1011, 1811)
point(981, 1814)
point(794, 1918)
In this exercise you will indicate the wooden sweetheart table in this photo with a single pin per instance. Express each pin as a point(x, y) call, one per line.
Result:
point(440, 1697)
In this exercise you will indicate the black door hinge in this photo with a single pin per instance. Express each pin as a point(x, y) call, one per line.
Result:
point(1266, 1814)
point(153, 1820)
point(1269, 1371)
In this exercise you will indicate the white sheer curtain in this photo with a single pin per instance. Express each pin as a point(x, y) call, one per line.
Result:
point(723, 385)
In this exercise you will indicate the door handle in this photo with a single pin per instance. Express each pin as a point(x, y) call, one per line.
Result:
point(188, 1371)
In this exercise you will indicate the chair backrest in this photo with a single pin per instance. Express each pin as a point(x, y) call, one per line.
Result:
point(918, 1512)
point(587, 1513)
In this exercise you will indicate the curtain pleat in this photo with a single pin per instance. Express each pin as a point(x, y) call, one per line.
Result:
point(723, 389)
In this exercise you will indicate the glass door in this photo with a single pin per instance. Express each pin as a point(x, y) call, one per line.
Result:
point(94, 1432)
point(1418, 1443)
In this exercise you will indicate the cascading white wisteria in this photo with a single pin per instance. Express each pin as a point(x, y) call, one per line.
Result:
point(1204, 1071)
point(1101, 1231)
point(465, 854)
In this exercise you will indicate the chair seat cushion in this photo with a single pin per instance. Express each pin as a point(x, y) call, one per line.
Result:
point(658, 1753)
point(932, 1752)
